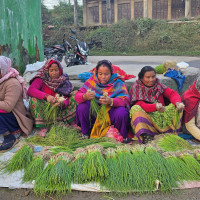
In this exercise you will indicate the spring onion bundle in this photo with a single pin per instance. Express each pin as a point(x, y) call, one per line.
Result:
point(94, 167)
point(112, 181)
point(163, 175)
point(77, 165)
point(191, 163)
point(62, 135)
point(50, 112)
point(20, 160)
point(60, 175)
point(56, 177)
point(177, 167)
point(42, 181)
point(171, 142)
point(127, 168)
point(144, 171)
point(34, 169)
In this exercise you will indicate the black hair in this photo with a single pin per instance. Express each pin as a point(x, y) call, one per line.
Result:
point(144, 70)
point(106, 63)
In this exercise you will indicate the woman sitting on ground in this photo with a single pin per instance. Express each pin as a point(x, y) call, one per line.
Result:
point(45, 86)
point(108, 89)
point(149, 115)
point(191, 99)
point(14, 117)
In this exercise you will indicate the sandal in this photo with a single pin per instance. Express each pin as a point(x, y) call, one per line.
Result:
point(147, 138)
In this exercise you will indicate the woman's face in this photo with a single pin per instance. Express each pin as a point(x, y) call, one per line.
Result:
point(149, 78)
point(103, 74)
point(54, 71)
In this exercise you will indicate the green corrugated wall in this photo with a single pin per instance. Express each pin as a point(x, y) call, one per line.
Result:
point(21, 31)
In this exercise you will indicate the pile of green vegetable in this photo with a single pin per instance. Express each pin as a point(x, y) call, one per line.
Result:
point(163, 165)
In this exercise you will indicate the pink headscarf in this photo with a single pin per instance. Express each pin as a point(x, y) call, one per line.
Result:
point(8, 72)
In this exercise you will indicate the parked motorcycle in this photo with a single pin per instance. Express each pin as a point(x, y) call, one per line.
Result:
point(81, 52)
point(59, 51)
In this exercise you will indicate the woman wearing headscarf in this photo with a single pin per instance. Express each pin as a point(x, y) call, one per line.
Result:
point(106, 88)
point(13, 114)
point(191, 99)
point(149, 113)
point(48, 85)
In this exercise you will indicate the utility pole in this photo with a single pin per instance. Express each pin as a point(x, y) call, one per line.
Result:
point(75, 13)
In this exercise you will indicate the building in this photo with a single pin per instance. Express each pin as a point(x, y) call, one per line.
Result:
point(111, 11)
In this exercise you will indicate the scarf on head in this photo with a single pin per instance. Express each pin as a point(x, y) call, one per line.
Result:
point(147, 94)
point(191, 99)
point(115, 87)
point(61, 85)
point(8, 72)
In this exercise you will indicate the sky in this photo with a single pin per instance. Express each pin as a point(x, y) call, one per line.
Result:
point(51, 3)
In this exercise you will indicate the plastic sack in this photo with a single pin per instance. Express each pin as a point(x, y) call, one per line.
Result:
point(84, 76)
point(177, 76)
point(114, 133)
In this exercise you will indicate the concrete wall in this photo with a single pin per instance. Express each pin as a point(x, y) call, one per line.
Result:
point(21, 31)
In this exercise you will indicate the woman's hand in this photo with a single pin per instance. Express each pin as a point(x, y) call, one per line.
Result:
point(160, 107)
point(180, 106)
point(105, 100)
point(89, 95)
point(51, 99)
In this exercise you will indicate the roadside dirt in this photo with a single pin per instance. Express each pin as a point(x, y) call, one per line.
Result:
point(24, 194)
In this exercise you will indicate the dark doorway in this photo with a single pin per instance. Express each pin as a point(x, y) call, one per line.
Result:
point(178, 9)
point(160, 9)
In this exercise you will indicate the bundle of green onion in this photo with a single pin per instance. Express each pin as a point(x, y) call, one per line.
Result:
point(126, 169)
point(145, 179)
point(56, 177)
point(178, 167)
point(191, 163)
point(112, 181)
point(94, 167)
point(171, 142)
point(20, 160)
point(164, 175)
point(77, 165)
point(50, 112)
point(34, 169)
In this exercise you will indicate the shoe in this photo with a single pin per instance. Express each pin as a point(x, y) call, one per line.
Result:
point(146, 138)
point(127, 141)
point(9, 145)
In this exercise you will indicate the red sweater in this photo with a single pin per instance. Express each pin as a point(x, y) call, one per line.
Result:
point(170, 94)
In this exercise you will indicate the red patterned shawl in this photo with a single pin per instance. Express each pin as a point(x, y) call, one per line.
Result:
point(140, 92)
